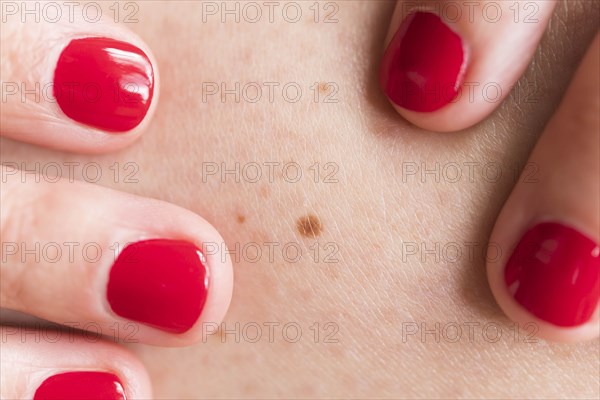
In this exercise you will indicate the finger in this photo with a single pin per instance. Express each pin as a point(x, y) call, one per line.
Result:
point(551, 226)
point(44, 365)
point(447, 65)
point(90, 257)
point(77, 85)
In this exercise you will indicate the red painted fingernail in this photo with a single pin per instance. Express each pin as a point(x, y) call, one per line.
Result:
point(104, 83)
point(424, 64)
point(87, 385)
point(161, 283)
point(554, 273)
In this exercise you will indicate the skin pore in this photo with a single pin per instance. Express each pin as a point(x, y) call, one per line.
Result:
point(384, 246)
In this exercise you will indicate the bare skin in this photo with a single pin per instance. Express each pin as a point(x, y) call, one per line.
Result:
point(364, 212)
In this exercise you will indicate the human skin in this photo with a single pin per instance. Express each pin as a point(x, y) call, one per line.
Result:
point(372, 214)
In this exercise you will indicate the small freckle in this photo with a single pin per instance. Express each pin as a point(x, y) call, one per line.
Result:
point(309, 226)
point(264, 192)
point(241, 219)
point(323, 87)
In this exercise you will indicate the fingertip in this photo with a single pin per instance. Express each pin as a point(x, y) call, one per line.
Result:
point(64, 364)
point(536, 327)
point(547, 272)
point(184, 230)
point(95, 89)
point(447, 67)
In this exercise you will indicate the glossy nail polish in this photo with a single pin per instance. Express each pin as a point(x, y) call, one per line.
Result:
point(161, 283)
point(554, 273)
point(88, 385)
point(424, 65)
point(104, 83)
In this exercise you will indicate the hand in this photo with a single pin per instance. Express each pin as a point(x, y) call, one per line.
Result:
point(438, 71)
point(370, 288)
point(75, 254)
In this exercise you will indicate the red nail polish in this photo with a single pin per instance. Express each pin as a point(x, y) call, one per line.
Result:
point(161, 283)
point(554, 273)
point(104, 83)
point(88, 385)
point(424, 64)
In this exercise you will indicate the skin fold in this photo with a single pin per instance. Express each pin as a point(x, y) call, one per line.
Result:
point(386, 239)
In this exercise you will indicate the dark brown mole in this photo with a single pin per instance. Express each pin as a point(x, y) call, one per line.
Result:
point(309, 226)
point(241, 219)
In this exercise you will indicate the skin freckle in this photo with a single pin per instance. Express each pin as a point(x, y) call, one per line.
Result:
point(264, 192)
point(309, 226)
point(241, 219)
point(325, 87)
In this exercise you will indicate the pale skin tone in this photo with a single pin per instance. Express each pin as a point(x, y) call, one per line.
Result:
point(376, 288)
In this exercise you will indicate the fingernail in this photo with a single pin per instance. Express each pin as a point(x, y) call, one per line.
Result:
point(104, 83)
point(87, 385)
point(554, 274)
point(424, 64)
point(161, 283)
